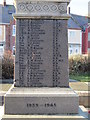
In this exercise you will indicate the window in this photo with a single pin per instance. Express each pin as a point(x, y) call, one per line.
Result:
point(89, 36)
point(13, 50)
point(11, 10)
point(70, 51)
point(72, 33)
point(14, 30)
point(1, 44)
point(71, 46)
point(0, 31)
point(76, 51)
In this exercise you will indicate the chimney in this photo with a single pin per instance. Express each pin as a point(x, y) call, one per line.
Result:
point(4, 2)
point(69, 10)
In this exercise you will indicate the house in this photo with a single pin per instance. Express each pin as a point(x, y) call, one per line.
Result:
point(89, 27)
point(6, 12)
point(86, 35)
point(12, 34)
point(74, 38)
point(77, 31)
point(77, 25)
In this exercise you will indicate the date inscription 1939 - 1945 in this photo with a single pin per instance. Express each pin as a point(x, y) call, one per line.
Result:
point(41, 105)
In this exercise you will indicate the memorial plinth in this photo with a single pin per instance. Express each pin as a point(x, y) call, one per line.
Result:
point(41, 62)
point(41, 101)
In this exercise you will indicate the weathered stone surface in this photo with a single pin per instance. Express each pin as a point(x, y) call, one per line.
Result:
point(41, 8)
point(82, 115)
point(47, 9)
point(41, 53)
point(2, 99)
point(41, 101)
point(84, 98)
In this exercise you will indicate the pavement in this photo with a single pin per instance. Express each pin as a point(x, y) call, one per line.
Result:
point(75, 85)
point(79, 87)
point(5, 87)
point(1, 111)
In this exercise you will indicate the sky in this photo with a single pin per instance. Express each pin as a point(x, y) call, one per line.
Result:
point(79, 7)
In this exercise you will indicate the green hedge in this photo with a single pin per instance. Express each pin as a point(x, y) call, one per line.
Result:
point(79, 64)
point(7, 66)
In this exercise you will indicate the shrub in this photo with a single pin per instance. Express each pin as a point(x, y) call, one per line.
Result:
point(79, 64)
point(7, 65)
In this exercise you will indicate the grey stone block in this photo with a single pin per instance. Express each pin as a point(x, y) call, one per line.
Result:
point(25, 101)
point(1, 99)
point(41, 53)
point(82, 115)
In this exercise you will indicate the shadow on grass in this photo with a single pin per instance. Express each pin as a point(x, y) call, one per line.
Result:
point(80, 77)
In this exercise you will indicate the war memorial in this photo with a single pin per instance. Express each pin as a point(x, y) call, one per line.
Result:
point(41, 89)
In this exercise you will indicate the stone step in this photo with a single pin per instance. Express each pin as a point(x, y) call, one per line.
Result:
point(82, 115)
point(28, 117)
point(42, 101)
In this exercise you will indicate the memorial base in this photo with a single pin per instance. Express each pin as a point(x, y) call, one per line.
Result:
point(41, 101)
point(1, 99)
point(82, 115)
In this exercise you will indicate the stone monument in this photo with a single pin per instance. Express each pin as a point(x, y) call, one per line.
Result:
point(41, 62)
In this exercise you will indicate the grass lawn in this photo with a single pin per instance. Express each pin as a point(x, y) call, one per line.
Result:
point(80, 77)
point(5, 87)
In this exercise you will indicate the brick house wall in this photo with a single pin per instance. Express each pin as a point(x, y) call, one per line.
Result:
point(85, 42)
point(9, 38)
point(12, 36)
point(89, 39)
point(7, 43)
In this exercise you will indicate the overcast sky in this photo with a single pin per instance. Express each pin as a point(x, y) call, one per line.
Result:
point(79, 7)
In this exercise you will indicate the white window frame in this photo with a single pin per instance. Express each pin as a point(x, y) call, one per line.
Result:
point(13, 30)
